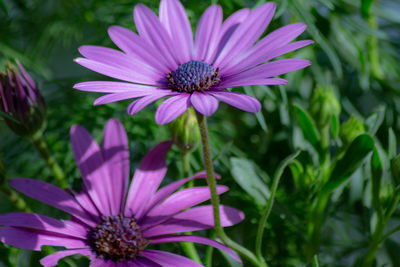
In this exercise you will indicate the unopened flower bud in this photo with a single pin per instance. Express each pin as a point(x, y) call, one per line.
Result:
point(324, 105)
point(21, 104)
point(185, 131)
point(352, 128)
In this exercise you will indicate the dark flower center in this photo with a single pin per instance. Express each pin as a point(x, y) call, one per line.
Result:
point(117, 238)
point(193, 76)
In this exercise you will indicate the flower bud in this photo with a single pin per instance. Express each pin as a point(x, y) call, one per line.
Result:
point(185, 131)
point(21, 104)
point(324, 105)
point(352, 128)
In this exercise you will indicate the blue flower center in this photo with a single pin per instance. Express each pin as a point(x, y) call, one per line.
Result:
point(116, 238)
point(193, 76)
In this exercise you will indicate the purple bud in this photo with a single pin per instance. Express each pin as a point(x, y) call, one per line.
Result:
point(21, 104)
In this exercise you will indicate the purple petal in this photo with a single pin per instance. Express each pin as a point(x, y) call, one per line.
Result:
point(147, 178)
point(247, 33)
point(261, 52)
point(165, 191)
point(35, 239)
point(41, 222)
point(130, 75)
point(116, 155)
point(53, 259)
point(248, 82)
point(110, 98)
point(86, 203)
point(195, 239)
point(178, 202)
point(270, 69)
point(102, 263)
point(117, 59)
point(173, 17)
point(171, 108)
point(229, 26)
point(111, 87)
point(167, 259)
point(51, 195)
point(143, 102)
point(142, 262)
point(207, 33)
point(240, 101)
point(151, 29)
point(195, 219)
point(204, 103)
point(134, 45)
point(95, 174)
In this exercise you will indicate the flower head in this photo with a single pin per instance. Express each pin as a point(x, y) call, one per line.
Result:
point(163, 60)
point(110, 223)
point(21, 103)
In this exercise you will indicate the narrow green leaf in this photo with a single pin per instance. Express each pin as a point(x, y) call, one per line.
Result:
point(335, 126)
point(350, 162)
point(392, 150)
point(5, 115)
point(376, 170)
point(260, 117)
point(307, 126)
point(297, 172)
point(366, 7)
point(375, 120)
point(246, 175)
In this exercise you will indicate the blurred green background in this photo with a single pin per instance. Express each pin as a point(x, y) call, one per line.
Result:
point(356, 58)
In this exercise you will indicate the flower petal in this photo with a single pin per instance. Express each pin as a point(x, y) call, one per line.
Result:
point(115, 150)
point(142, 262)
point(204, 103)
point(165, 191)
point(240, 101)
point(52, 259)
point(130, 75)
point(247, 33)
point(35, 239)
point(41, 222)
point(173, 17)
point(194, 219)
point(95, 175)
point(110, 98)
point(195, 239)
point(111, 87)
point(248, 82)
point(167, 259)
point(178, 202)
point(147, 178)
point(143, 102)
point(264, 49)
point(151, 29)
point(207, 33)
point(51, 195)
point(133, 44)
point(102, 263)
point(171, 108)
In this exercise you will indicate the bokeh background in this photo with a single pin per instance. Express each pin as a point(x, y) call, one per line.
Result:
point(356, 58)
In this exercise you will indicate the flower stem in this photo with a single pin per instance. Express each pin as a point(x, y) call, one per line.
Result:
point(41, 147)
point(188, 247)
point(214, 195)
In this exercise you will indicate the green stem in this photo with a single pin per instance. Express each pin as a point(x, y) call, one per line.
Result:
point(188, 247)
point(15, 199)
point(41, 147)
point(265, 216)
point(214, 195)
point(209, 252)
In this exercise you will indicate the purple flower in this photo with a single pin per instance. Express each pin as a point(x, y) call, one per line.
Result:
point(164, 61)
point(21, 101)
point(110, 226)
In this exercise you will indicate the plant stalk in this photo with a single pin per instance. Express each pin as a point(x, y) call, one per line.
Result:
point(214, 195)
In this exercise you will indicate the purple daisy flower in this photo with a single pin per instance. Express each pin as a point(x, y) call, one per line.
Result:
point(164, 61)
point(110, 226)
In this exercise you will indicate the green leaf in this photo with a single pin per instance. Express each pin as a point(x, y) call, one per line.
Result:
point(3, 6)
point(366, 7)
point(335, 126)
point(376, 170)
point(307, 126)
point(392, 150)
point(350, 162)
point(246, 175)
point(375, 120)
point(260, 117)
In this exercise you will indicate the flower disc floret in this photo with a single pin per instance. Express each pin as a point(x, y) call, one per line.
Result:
point(193, 76)
point(117, 238)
